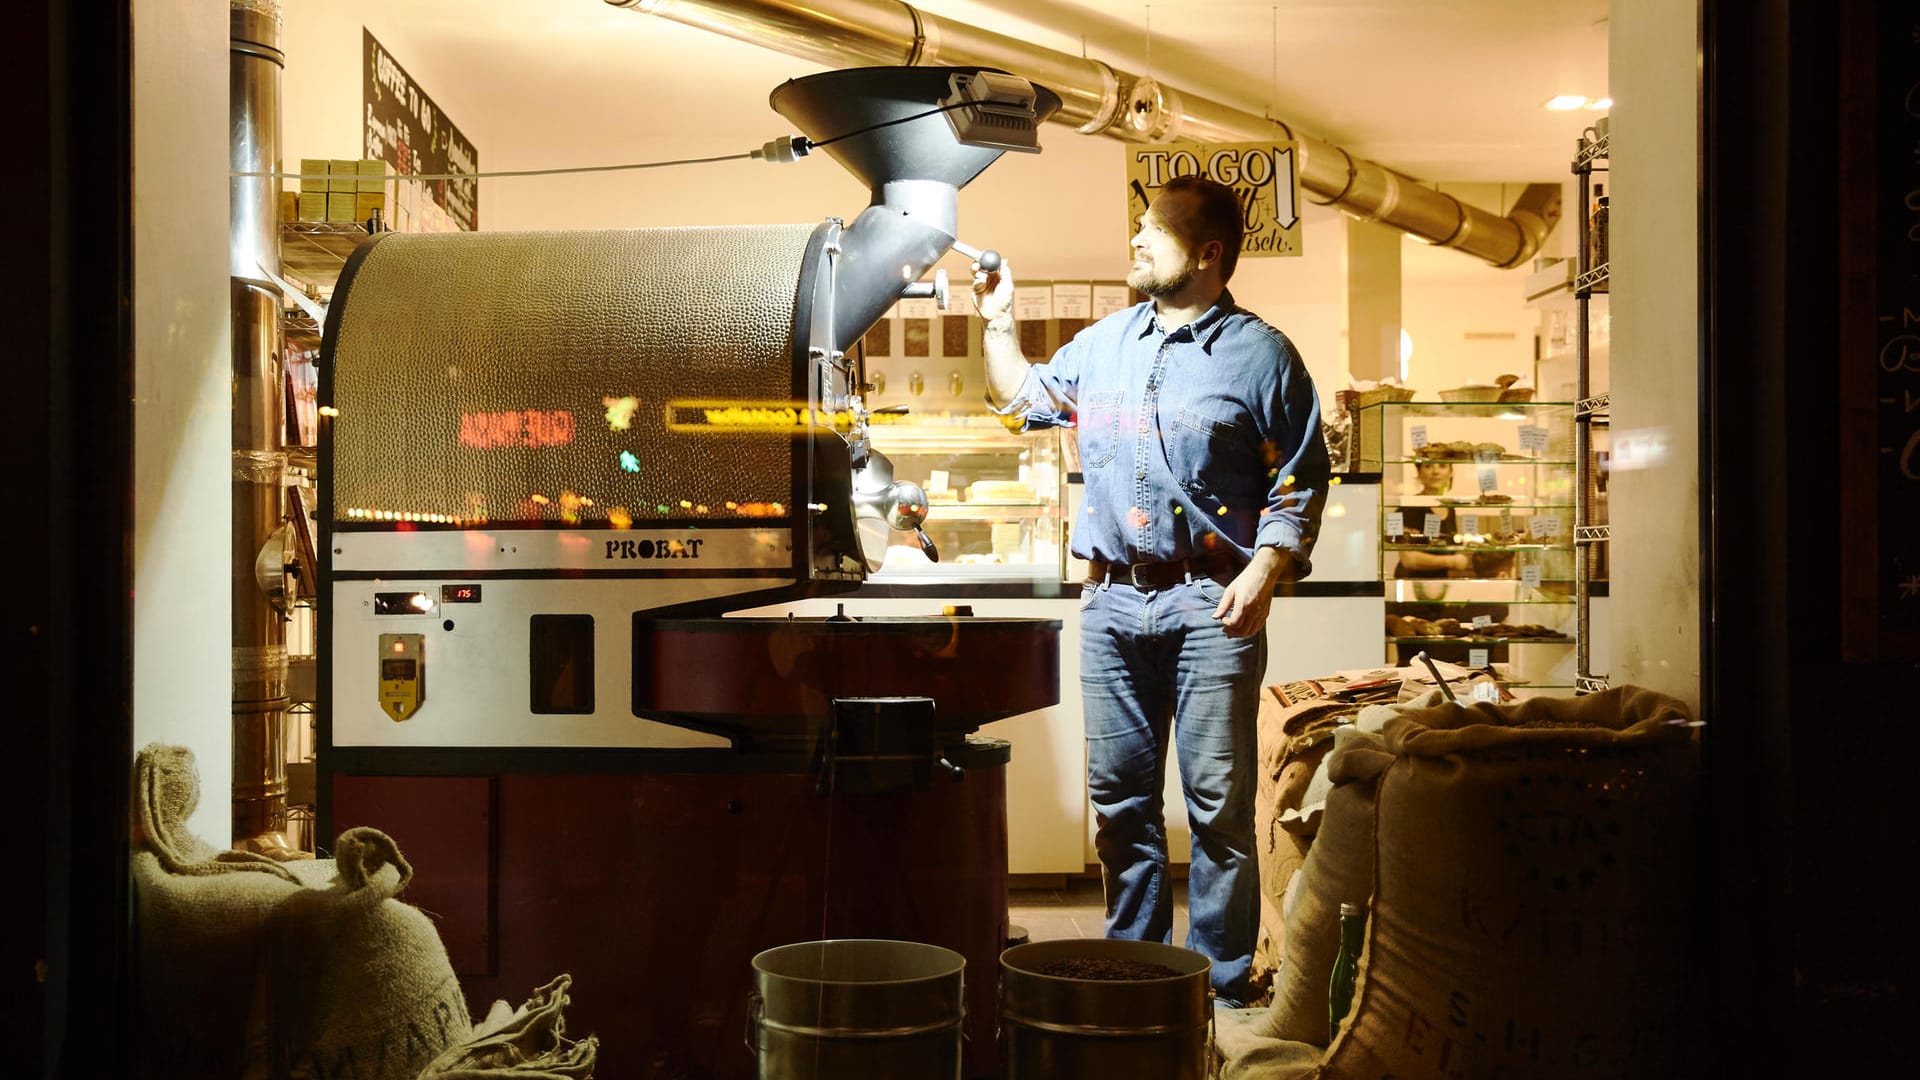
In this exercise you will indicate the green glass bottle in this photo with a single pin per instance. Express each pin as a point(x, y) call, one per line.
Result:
point(1346, 966)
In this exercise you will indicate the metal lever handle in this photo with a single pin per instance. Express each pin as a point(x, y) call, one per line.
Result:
point(926, 545)
point(954, 771)
point(900, 409)
point(937, 288)
point(988, 259)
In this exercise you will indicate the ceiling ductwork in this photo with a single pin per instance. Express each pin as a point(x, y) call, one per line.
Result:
point(1097, 99)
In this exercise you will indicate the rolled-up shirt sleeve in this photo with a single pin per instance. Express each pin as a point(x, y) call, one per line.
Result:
point(1291, 519)
point(1046, 398)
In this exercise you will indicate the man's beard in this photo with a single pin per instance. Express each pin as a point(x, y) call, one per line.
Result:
point(1156, 285)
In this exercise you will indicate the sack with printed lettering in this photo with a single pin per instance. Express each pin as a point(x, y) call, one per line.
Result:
point(354, 982)
point(1534, 878)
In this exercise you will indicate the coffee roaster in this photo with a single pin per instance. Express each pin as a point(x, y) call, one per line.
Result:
point(552, 463)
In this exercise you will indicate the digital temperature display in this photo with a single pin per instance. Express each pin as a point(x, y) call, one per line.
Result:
point(460, 594)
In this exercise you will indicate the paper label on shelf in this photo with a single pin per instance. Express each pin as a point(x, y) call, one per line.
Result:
point(937, 479)
point(1533, 438)
point(1032, 302)
point(1431, 526)
point(1419, 436)
point(1506, 523)
point(1544, 526)
point(1072, 301)
point(1476, 658)
point(1396, 523)
point(1470, 524)
point(1481, 622)
point(1108, 299)
point(1485, 691)
point(1489, 478)
point(918, 307)
point(1530, 575)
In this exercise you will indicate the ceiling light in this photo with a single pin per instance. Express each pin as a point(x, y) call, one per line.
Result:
point(1566, 102)
point(1600, 104)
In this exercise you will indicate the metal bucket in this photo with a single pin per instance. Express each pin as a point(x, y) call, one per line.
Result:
point(856, 1008)
point(1060, 1028)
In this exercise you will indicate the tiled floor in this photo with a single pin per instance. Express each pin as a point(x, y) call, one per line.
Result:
point(1078, 910)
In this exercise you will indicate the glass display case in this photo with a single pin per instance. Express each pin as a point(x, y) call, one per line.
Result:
point(994, 498)
point(1476, 534)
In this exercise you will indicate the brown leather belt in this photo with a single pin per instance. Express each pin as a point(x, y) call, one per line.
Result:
point(1157, 575)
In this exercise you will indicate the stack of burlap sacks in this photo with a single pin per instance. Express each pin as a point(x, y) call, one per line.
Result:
point(248, 967)
point(1528, 873)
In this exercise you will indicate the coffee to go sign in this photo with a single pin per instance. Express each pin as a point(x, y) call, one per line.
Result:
point(1262, 174)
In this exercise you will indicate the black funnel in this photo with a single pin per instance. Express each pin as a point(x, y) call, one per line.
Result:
point(835, 103)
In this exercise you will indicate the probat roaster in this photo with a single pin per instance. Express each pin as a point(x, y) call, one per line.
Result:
point(552, 462)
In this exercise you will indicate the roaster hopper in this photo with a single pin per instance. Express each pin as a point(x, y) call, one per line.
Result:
point(551, 464)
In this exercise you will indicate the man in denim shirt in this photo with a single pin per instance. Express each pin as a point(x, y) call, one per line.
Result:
point(1205, 475)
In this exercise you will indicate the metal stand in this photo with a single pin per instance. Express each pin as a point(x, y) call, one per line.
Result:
point(1591, 157)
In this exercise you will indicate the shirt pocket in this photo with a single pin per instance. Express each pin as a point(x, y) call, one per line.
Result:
point(1203, 454)
point(1099, 423)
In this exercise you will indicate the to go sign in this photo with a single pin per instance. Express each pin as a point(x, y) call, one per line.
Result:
point(1262, 174)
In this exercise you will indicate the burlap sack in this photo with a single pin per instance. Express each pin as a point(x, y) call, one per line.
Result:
point(199, 916)
point(1534, 875)
point(1294, 740)
point(356, 983)
point(1338, 869)
point(528, 1043)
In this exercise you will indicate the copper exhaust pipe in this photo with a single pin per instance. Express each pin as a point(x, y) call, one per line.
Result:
point(259, 620)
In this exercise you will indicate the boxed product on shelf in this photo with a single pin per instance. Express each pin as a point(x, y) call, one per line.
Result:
point(313, 174)
point(341, 206)
point(343, 174)
point(372, 176)
point(289, 206)
point(313, 206)
point(366, 205)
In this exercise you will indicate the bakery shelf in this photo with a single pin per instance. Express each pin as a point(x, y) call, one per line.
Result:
point(1558, 639)
point(1496, 410)
point(1453, 548)
point(1503, 461)
point(1447, 503)
point(987, 511)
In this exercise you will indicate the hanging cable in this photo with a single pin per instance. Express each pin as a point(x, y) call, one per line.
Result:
point(783, 149)
point(519, 172)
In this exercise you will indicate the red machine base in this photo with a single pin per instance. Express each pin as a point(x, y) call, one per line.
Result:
point(656, 891)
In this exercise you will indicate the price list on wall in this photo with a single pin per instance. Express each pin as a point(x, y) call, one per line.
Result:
point(1897, 313)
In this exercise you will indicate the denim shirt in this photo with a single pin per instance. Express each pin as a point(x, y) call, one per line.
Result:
point(1201, 441)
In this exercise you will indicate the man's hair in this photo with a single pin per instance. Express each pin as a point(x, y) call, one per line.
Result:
point(1216, 216)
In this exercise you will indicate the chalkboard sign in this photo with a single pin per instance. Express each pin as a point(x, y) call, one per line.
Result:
point(408, 131)
point(1897, 311)
point(1878, 215)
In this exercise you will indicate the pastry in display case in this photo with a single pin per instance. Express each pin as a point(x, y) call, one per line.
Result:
point(993, 495)
point(1476, 534)
point(993, 498)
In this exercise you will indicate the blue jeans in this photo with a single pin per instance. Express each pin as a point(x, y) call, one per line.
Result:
point(1150, 660)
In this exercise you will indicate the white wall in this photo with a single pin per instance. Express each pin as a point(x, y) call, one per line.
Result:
point(1655, 232)
point(1468, 320)
point(182, 692)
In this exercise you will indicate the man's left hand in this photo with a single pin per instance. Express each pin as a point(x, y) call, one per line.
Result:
point(1243, 611)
